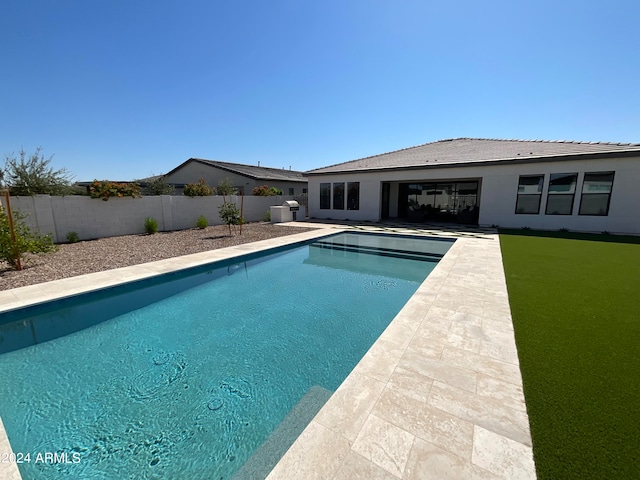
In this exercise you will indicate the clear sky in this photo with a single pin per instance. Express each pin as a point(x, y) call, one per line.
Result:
point(123, 89)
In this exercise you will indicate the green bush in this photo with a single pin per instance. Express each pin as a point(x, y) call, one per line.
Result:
point(267, 216)
point(26, 241)
point(72, 237)
point(150, 225)
point(200, 189)
point(201, 222)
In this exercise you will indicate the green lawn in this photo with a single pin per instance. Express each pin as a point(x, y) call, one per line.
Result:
point(576, 312)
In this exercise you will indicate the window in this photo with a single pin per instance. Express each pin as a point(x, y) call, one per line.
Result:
point(562, 190)
point(338, 196)
point(596, 193)
point(353, 196)
point(291, 191)
point(304, 191)
point(325, 196)
point(529, 194)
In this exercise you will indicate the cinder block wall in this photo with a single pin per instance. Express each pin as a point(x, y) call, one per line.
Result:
point(94, 218)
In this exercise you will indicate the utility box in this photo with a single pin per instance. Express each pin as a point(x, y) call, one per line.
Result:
point(288, 212)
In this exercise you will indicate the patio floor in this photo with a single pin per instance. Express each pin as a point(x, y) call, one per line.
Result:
point(439, 394)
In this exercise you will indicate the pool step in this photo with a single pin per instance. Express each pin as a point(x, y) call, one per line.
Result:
point(258, 466)
point(381, 251)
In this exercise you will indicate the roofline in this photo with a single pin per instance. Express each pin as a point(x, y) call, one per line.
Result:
point(204, 161)
point(502, 161)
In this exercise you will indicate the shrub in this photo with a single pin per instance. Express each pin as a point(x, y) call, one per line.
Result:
point(199, 189)
point(25, 240)
point(105, 189)
point(201, 222)
point(267, 216)
point(72, 237)
point(150, 225)
point(265, 191)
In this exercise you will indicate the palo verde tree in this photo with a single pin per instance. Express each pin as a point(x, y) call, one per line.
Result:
point(33, 174)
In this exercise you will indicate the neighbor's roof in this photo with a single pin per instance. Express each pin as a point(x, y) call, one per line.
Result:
point(251, 171)
point(462, 151)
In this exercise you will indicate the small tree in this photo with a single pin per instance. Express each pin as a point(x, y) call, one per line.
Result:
point(225, 187)
point(25, 240)
point(32, 175)
point(158, 186)
point(229, 214)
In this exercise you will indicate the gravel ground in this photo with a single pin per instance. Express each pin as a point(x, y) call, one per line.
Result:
point(114, 252)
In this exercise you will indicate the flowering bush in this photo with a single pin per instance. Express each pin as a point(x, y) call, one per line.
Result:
point(265, 191)
point(105, 189)
point(200, 189)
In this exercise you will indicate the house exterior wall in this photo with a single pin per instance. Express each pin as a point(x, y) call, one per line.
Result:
point(191, 172)
point(498, 188)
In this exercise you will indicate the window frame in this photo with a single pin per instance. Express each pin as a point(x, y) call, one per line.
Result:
point(551, 194)
point(541, 180)
point(325, 196)
point(338, 195)
point(355, 204)
point(583, 194)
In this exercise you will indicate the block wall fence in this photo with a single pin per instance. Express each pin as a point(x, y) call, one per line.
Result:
point(93, 218)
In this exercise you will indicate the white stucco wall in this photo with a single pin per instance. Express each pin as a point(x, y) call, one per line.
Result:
point(93, 218)
point(498, 193)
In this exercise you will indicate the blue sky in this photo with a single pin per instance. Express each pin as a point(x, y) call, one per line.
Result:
point(126, 89)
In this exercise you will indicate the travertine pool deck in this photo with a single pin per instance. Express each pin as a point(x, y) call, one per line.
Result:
point(439, 394)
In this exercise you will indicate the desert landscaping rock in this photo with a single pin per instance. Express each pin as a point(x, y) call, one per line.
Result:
point(115, 252)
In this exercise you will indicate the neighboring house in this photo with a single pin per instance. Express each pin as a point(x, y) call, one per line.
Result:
point(243, 177)
point(511, 183)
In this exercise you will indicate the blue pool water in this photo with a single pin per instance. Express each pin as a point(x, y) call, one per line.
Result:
point(209, 375)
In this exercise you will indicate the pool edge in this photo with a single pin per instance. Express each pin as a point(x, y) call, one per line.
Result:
point(381, 422)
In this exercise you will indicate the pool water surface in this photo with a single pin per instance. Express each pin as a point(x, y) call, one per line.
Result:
point(216, 375)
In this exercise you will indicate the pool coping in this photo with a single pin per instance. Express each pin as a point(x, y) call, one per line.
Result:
point(439, 389)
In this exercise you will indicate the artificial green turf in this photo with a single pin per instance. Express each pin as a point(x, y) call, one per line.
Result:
point(576, 313)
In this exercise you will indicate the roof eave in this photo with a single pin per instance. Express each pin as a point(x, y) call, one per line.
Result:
point(512, 161)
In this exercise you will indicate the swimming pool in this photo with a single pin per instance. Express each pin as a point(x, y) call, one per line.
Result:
point(203, 378)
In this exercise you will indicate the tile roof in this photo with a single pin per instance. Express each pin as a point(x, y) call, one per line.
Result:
point(255, 172)
point(461, 151)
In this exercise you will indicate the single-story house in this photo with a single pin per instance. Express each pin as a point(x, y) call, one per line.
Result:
point(243, 177)
point(582, 186)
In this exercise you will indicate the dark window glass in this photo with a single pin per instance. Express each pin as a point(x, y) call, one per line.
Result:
point(353, 196)
point(562, 190)
point(325, 196)
point(338, 196)
point(291, 190)
point(529, 194)
point(596, 193)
